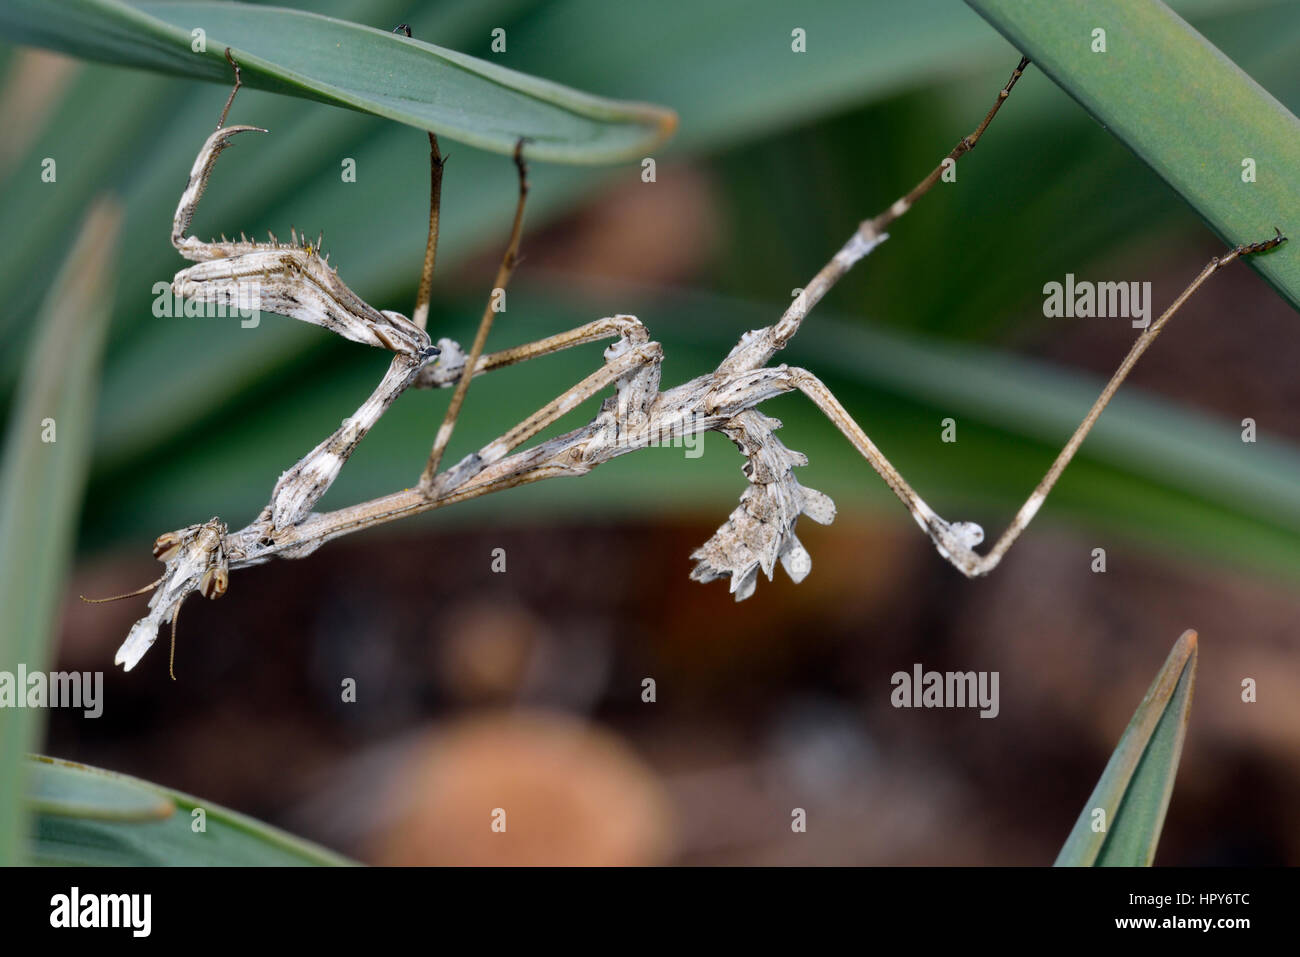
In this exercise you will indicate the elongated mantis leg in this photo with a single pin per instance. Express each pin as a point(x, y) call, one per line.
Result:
point(755, 350)
point(1143, 342)
point(637, 354)
point(487, 470)
point(504, 272)
point(450, 367)
point(436, 162)
point(956, 540)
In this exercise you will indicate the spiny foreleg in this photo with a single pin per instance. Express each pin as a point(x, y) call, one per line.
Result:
point(294, 281)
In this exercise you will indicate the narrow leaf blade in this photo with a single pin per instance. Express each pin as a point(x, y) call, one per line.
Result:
point(346, 64)
point(1134, 790)
point(64, 789)
point(1182, 106)
point(41, 482)
point(226, 837)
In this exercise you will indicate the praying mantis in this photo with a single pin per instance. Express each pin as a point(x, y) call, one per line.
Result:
point(295, 280)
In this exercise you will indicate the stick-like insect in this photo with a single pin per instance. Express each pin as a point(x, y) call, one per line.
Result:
point(295, 281)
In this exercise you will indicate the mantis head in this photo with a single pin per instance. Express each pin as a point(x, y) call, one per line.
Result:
point(195, 560)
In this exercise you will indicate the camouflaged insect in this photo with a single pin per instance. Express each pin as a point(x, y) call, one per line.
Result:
point(296, 281)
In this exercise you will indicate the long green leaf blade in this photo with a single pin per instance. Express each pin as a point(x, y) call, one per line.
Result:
point(1133, 793)
point(65, 789)
point(102, 838)
point(361, 67)
point(1182, 106)
point(45, 459)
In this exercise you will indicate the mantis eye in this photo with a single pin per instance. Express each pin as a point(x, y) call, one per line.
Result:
point(214, 581)
point(166, 546)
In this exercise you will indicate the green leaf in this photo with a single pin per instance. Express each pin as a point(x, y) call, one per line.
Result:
point(346, 64)
point(89, 816)
point(1134, 789)
point(64, 789)
point(1182, 106)
point(42, 481)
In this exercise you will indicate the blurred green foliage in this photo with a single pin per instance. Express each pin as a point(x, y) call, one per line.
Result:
point(46, 453)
